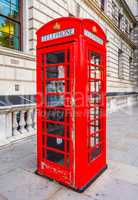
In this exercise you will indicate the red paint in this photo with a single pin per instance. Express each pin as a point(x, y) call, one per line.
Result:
point(85, 66)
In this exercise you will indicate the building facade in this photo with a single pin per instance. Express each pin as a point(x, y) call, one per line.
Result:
point(19, 21)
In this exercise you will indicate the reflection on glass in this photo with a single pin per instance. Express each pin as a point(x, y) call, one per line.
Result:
point(9, 29)
point(95, 152)
point(95, 86)
point(4, 8)
point(95, 72)
point(14, 42)
point(55, 86)
point(55, 157)
point(9, 8)
point(57, 129)
point(14, 29)
point(55, 72)
point(56, 115)
point(57, 143)
point(15, 2)
point(95, 58)
point(4, 39)
point(55, 100)
point(4, 25)
point(55, 57)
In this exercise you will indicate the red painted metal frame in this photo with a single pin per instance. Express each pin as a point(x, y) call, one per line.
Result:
point(81, 169)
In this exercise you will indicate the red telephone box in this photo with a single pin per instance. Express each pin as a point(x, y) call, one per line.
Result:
point(71, 101)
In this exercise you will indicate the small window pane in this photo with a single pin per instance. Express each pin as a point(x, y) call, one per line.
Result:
point(56, 115)
point(95, 152)
point(4, 8)
point(55, 86)
point(55, 157)
point(55, 100)
point(55, 57)
point(57, 129)
point(95, 58)
point(14, 12)
point(15, 2)
point(4, 39)
point(14, 42)
point(55, 72)
point(14, 29)
point(57, 143)
point(4, 25)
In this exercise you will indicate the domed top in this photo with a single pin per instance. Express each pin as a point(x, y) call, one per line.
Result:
point(71, 27)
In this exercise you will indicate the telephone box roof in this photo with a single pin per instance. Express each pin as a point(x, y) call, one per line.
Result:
point(79, 25)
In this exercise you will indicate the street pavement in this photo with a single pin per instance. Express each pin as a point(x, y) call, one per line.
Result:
point(119, 182)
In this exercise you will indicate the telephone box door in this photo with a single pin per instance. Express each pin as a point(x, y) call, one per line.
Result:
point(96, 105)
point(57, 92)
point(90, 132)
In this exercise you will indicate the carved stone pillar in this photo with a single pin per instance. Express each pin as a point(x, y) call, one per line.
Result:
point(30, 121)
point(15, 124)
point(22, 122)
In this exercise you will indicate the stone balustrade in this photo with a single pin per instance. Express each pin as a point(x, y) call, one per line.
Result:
point(17, 122)
point(115, 103)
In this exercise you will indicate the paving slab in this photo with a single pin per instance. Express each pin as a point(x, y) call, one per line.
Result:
point(109, 188)
point(68, 194)
point(22, 185)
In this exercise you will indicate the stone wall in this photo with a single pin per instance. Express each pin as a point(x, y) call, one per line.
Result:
point(17, 73)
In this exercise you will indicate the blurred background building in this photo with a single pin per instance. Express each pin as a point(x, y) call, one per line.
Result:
point(19, 21)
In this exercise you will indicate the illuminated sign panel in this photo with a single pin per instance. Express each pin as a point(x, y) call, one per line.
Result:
point(93, 37)
point(60, 34)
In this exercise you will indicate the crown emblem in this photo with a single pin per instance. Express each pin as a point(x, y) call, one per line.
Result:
point(94, 29)
point(56, 26)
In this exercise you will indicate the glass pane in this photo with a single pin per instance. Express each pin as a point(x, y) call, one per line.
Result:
point(4, 25)
point(14, 12)
point(14, 42)
point(55, 57)
point(4, 39)
point(55, 100)
point(95, 58)
point(95, 152)
point(57, 129)
point(55, 157)
point(95, 72)
point(14, 28)
point(94, 112)
point(55, 72)
point(57, 143)
point(56, 115)
point(55, 86)
point(15, 2)
point(5, 8)
point(95, 86)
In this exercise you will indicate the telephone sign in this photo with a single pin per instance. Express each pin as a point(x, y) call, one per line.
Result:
point(59, 34)
point(71, 101)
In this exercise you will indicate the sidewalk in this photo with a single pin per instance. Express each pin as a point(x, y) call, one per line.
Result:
point(119, 182)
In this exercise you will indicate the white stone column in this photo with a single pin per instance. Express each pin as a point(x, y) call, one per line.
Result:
point(30, 121)
point(22, 122)
point(3, 139)
point(15, 124)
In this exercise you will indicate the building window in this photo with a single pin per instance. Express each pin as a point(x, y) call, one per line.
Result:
point(126, 26)
point(120, 16)
point(115, 11)
point(10, 24)
point(102, 4)
point(131, 68)
point(120, 64)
